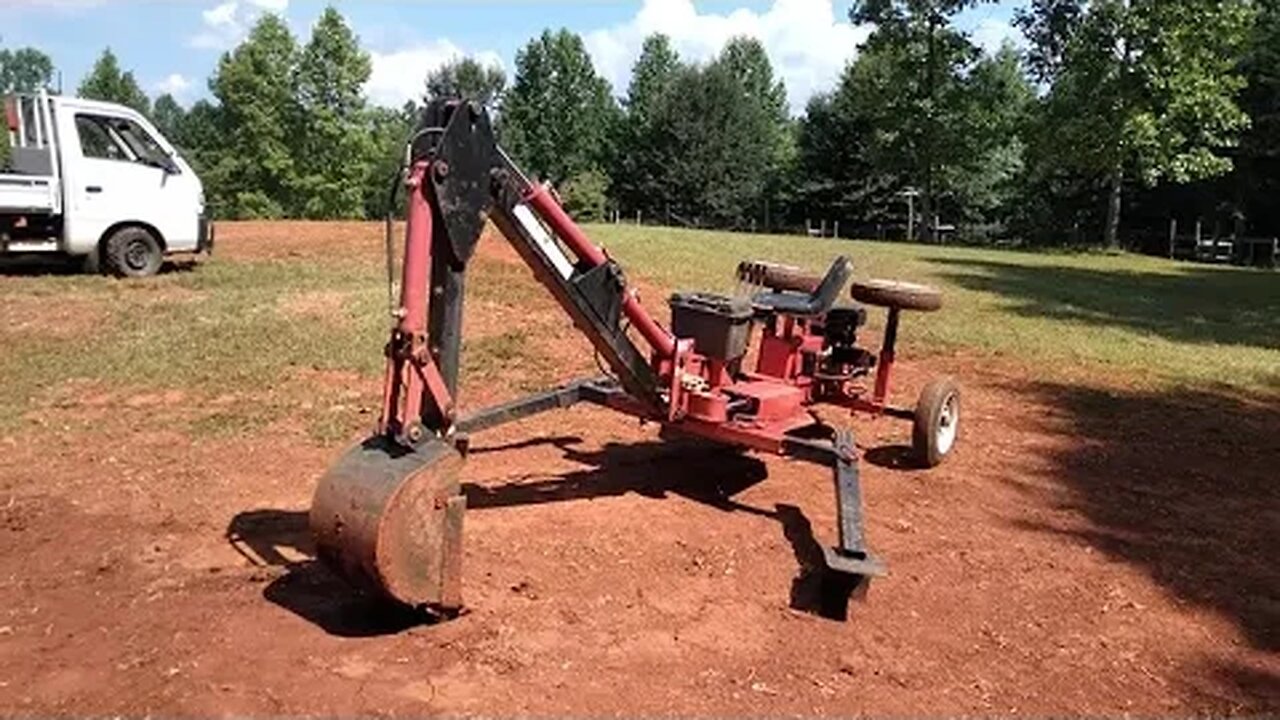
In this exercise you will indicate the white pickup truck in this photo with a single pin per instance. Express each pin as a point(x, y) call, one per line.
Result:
point(96, 181)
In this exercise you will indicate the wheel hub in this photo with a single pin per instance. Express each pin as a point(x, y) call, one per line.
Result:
point(136, 255)
point(948, 421)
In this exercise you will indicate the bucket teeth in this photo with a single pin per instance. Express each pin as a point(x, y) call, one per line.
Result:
point(389, 518)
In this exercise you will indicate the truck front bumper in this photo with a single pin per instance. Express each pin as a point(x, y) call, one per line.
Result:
point(204, 235)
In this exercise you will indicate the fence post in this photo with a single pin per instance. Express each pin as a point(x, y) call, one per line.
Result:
point(836, 231)
point(1173, 235)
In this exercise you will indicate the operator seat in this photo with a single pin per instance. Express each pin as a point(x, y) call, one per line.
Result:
point(807, 305)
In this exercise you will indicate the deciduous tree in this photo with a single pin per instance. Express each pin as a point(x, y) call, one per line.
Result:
point(719, 145)
point(746, 59)
point(1140, 88)
point(912, 68)
point(24, 70)
point(255, 175)
point(468, 79)
point(558, 116)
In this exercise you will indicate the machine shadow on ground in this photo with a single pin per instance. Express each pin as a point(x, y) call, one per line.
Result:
point(1183, 485)
point(705, 474)
point(1197, 304)
point(702, 472)
point(268, 538)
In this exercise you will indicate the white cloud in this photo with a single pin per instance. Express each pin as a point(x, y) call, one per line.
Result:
point(275, 6)
point(175, 85)
point(224, 25)
point(809, 42)
point(401, 75)
point(991, 33)
point(221, 16)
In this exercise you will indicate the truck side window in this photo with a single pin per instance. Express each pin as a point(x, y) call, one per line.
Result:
point(113, 138)
point(95, 141)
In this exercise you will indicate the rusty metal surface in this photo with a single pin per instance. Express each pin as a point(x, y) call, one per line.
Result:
point(390, 519)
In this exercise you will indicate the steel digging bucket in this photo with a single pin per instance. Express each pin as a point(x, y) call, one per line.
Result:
point(389, 519)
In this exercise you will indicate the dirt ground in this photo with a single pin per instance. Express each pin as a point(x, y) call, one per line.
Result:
point(1089, 549)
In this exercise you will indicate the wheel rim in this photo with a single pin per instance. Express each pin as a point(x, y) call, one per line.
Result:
point(948, 424)
point(137, 256)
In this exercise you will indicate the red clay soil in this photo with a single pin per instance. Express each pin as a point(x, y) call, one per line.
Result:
point(1090, 551)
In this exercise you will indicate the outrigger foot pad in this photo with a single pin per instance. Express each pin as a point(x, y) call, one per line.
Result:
point(863, 565)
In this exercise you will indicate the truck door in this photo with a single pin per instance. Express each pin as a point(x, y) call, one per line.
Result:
point(125, 176)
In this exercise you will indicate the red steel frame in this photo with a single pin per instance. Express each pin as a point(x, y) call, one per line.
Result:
point(412, 375)
point(700, 389)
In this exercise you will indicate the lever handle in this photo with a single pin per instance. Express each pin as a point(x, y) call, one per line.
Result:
point(93, 189)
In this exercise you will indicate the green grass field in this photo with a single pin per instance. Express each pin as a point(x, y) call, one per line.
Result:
point(1162, 320)
point(237, 325)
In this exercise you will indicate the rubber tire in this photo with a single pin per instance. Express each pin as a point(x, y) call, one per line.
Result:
point(897, 294)
point(115, 253)
point(924, 435)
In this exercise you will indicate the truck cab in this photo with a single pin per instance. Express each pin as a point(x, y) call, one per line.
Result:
point(98, 182)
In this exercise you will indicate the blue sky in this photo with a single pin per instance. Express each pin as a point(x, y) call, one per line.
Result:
point(174, 46)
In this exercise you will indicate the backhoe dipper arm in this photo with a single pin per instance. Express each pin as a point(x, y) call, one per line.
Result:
point(593, 290)
point(458, 178)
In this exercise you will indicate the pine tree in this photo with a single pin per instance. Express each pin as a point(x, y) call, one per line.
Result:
point(169, 118)
point(639, 160)
point(107, 83)
point(332, 141)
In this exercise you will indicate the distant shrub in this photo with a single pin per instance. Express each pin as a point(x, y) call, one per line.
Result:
point(584, 196)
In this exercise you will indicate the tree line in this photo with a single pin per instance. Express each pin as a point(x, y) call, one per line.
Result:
point(1117, 116)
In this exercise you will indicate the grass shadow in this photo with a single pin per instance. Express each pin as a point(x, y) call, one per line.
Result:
point(1223, 306)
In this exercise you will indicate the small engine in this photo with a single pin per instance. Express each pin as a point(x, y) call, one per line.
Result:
point(841, 356)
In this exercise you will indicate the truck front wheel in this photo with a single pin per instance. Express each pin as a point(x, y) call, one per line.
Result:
point(132, 252)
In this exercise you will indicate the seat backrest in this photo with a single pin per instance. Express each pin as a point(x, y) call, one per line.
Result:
point(818, 302)
point(828, 291)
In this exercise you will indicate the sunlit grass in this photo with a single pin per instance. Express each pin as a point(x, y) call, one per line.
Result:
point(1161, 320)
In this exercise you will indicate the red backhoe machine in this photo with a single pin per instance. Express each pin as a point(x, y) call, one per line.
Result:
point(388, 515)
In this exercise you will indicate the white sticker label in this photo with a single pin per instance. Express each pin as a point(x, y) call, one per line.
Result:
point(544, 241)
